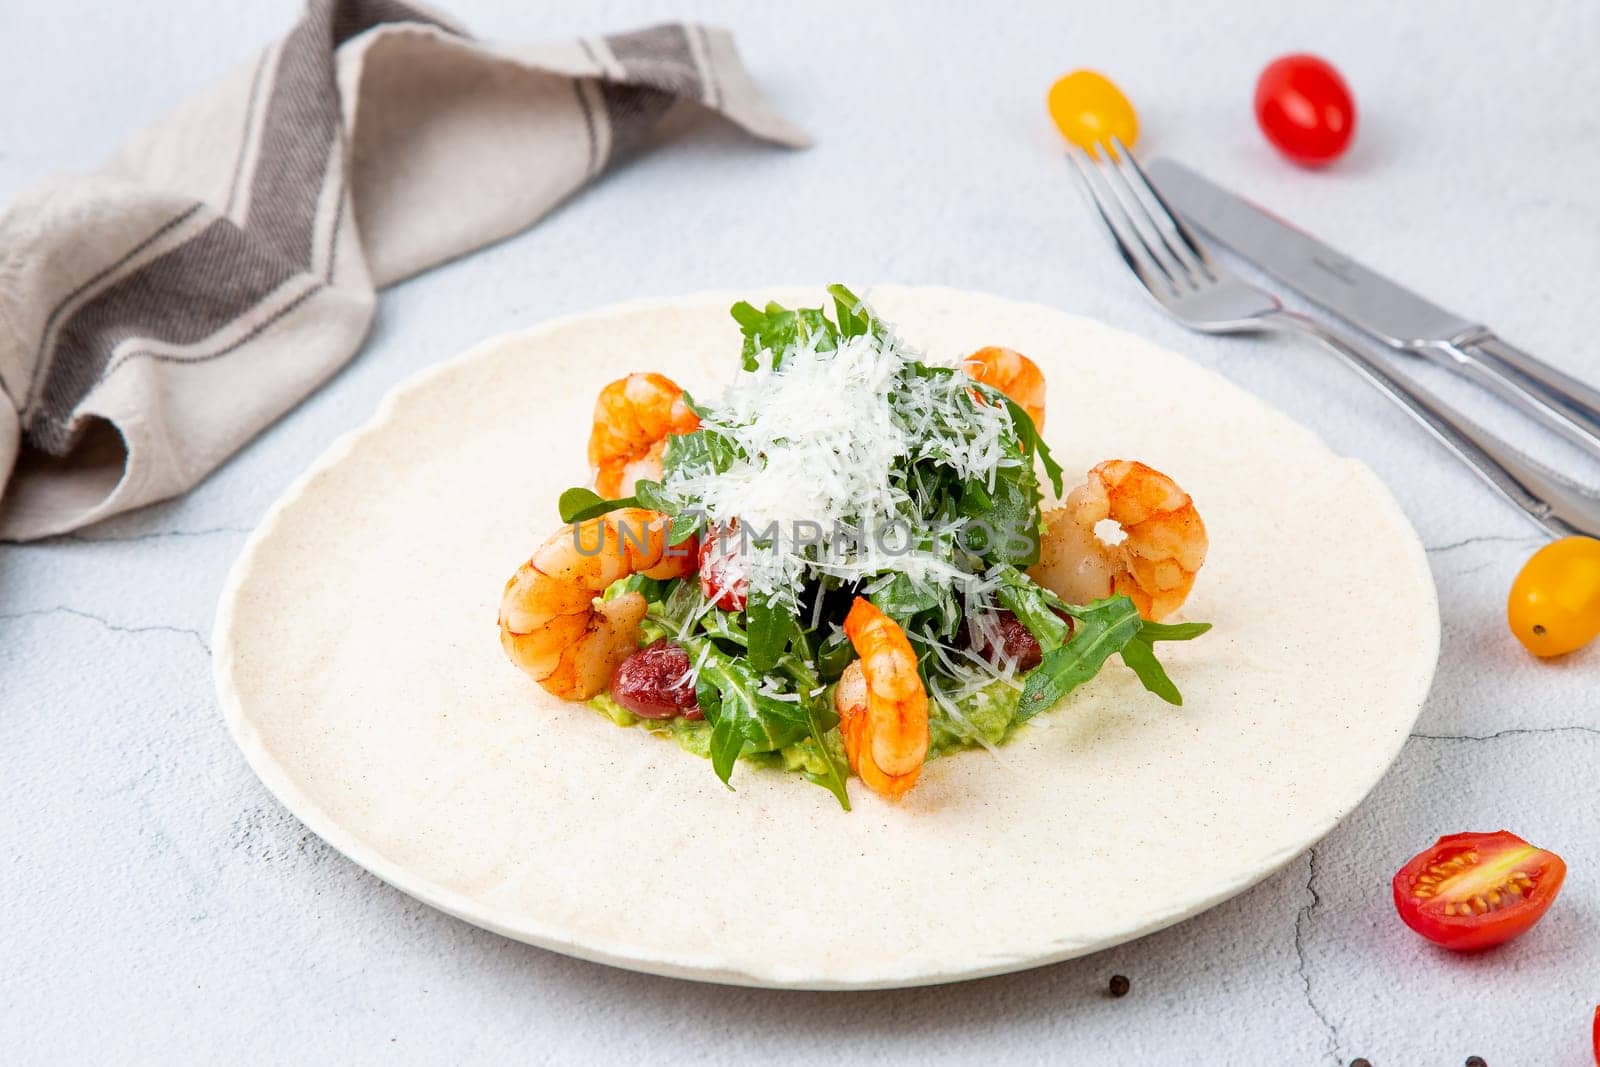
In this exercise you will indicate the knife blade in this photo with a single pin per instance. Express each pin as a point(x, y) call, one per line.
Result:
point(1318, 272)
point(1380, 306)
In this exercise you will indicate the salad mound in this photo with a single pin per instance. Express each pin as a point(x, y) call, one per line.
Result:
point(841, 474)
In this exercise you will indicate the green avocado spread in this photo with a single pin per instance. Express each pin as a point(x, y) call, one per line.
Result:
point(984, 718)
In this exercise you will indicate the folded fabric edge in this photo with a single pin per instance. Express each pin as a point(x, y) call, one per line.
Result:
point(46, 496)
point(125, 463)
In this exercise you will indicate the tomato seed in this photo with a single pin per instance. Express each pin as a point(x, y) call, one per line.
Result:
point(1120, 985)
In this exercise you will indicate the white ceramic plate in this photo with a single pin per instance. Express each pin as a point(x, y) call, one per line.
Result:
point(359, 669)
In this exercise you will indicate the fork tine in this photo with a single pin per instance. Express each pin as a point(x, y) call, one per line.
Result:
point(1144, 222)
point(1179, 238)
point(1129, 245)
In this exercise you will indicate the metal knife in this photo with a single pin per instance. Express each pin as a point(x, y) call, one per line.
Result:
point(1385, 309)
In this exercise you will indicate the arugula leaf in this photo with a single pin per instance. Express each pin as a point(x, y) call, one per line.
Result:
point(776, 329)
point(683, 523)
point(854, 318)
point(1104, 627)
point(916, 607)
point(652, 495)
point(671, 615)
point(577, 500)
point(771, 627)
point(699, 452)
point(1003, 522)
point(1141, 659)
point(762, 330)
point(1028, 434)
point(834, 655)
point(579, 504)
point(831, 779)
point(1034, 608)
point(766, 722)
point(820, 718)
point(898, 597)
point(1140, 655)
point(724, 626)
point(654, 590)
point(814, 327)
point(1173, 631)
point(726, 745)
point(701, 412)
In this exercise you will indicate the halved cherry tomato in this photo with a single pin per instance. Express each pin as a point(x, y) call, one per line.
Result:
point(1555, 601)
point(1089, 109)
point(1305, 109)
point(1597, 1036)
point(1472, 891)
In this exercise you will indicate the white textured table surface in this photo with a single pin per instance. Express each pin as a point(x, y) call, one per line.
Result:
point(156, 902)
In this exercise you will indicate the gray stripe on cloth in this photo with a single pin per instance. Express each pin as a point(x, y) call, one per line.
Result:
point(223, 272)
point(301, 126)
point(46, 336)
point(181, 297)
point(582, 86)
point(355, 17)
point(660, 65)
point(255, 331)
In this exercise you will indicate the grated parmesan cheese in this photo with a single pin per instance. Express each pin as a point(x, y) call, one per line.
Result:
point(823, 433)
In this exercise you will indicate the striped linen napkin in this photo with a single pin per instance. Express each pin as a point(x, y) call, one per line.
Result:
point(158, 313)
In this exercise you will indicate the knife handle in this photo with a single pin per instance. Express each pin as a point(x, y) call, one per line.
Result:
point(1526, 395)
point(1556, 503)
point(1578, 399)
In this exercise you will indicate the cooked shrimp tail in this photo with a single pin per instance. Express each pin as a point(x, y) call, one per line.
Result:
point(882, 703)
point(1014, 374)
point(553, 624)
point(633, 417)
point(1163, 547)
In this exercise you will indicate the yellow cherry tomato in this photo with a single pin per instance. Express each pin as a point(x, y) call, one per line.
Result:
point(1089, 110)
point(1555, 601)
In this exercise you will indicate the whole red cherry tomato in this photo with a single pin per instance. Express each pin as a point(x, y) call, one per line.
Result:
point(1305, 109)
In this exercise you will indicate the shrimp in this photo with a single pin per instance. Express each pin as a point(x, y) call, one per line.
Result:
point(552, 624)
point(1014, 374)
point(633, 417)
point(1156, 561)
point(882, 704)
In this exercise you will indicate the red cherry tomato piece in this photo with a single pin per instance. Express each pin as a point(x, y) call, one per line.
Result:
point(1016, 644)
point(1305, 109)
point(1472, 891)
point(654, 683)
point(1597, 1037)
point(724, 569)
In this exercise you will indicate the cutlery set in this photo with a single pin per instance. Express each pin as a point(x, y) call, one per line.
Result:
point(1151, 217)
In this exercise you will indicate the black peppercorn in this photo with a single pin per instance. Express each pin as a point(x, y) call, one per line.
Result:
point(1476, 1061)
point(1120, 985)
point(1360, 1062)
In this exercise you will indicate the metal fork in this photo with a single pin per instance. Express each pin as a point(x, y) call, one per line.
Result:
point(1193, 287)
